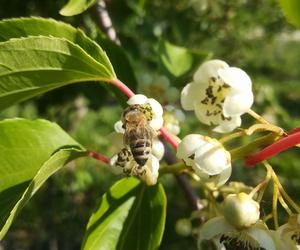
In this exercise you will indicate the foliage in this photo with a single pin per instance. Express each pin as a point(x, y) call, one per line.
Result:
point(162, 43)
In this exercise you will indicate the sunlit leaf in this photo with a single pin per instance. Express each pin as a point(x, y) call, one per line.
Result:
point(177, 60)
point(34, 65)
point(130, 216)
point(291, 9)
point(75, 7)
point(31, 151)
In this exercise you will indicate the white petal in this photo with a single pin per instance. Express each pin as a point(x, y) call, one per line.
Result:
point(137, 99)
point(119, 127)
point(156, 123)
point(189, 145)
point(113, 168)
point(238, 104)
point(190, 93)
point(262, 237)
point(208, 70)
point(158, 149)
point(236, 78)
point(214, 227)
point(228, 126)
point(218, 180)
point(152, 167)
point(157, 109)
point(212, 158)
point(200, 112)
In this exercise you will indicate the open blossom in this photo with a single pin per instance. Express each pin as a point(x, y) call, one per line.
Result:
point(287, 236)
point(207, 156)
point(239, 228)
point(219, 95)
point(124, 161)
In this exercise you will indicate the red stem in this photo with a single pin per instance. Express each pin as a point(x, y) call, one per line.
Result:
point(283, 144)
point(127, 91)
point(121, 86)
point(99, 157)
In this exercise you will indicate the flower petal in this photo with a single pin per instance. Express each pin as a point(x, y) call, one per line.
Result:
point(157, 109)
point(156, 123)
point(188, 146)
point(152, 167)
point(218, 180)
point(237, 104)
point(119, 127)
point(137, 99)
point(191, 93)
point(113, 168)
point(209, 69)
point(201, 114)
point(236, 78)
point(158, 149)
point(262, 237)
point(227, 126)
point(212, 158)
point(214, 227)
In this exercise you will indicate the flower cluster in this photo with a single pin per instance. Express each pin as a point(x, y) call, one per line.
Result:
point(124, 160)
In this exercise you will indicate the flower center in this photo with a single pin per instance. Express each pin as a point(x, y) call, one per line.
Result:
point(239, 241)
point(296, 238)
point(213, 101)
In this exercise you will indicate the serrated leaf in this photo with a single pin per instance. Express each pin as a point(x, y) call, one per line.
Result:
point(130, 216)
point(75, 7)
point(291, 9)
point(33, 65)
point(31, 151)
point(36, 26)
point(177, 60)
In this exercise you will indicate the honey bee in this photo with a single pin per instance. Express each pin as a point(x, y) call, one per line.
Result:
point(138, 133)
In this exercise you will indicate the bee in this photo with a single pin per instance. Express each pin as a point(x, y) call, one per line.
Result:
point(138, 134)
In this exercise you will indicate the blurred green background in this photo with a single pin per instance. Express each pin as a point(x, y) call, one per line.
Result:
point(250, 34)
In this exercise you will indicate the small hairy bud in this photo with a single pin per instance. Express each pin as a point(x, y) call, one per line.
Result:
point(240, 210)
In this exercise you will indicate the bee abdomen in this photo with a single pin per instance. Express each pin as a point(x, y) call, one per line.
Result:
point(141, 150)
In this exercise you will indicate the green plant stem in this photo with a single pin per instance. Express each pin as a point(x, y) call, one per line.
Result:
point(274, 205)
point(173, 169)
point(281, 189)
point(246, 150)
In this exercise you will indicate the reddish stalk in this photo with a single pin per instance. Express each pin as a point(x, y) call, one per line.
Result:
point(99, 157)
point(121, 86)
point(283, 144)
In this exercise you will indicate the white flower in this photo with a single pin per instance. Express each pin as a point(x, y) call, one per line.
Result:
point(207, 156)
point(225, 236)
point(172, 118)
point(219, 95)
point(156, 109)
point(239, 228)
point(287, 236)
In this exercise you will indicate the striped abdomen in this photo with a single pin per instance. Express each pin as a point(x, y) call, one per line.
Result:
point(141, 150)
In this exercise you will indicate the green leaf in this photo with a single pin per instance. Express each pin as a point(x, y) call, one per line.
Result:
point(33, 65)
point(177, 60)
point(130, 216)
point(31, 151)
point(35, 26)
point(75, 7)
point(291, 9)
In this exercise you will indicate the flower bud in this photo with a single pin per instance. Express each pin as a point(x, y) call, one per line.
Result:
point(240, 210)
point(183, 227)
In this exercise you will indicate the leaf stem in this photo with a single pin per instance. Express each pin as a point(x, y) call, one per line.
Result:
point(99, 157)
point(123, 87)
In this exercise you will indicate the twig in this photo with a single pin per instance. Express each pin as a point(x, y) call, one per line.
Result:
point(105, 22)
